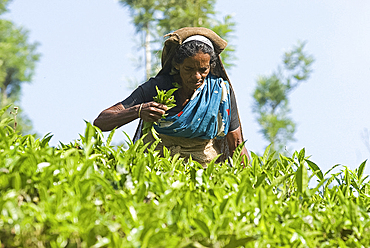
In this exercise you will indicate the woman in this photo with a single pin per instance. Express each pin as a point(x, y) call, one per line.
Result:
point(205, 121)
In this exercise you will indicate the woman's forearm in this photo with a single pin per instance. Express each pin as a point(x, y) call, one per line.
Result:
point(116, 116)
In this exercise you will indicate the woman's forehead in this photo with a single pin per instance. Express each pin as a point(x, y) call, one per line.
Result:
point(200, 59)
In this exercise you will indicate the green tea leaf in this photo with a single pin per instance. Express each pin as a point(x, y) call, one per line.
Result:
point(315, 168)
point(361, 170)
point(110, 136)
point(265, 154)
point(203, 228)
point(331, 169)
point(239, 242)
point(129, 141)
point(262, 200)
point(236, 155)
point(313, 191)
point(2, 111)
point(45, 140)
point(301, 155)
point(260, 180)
point(280, 179)
point(301, 179)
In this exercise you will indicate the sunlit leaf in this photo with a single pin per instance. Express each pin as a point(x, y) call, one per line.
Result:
point(315, 168)
point(203, 228)
point(302, 179)
point(361, 170)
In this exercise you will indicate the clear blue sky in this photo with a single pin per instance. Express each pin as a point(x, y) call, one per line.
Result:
point(87, 48)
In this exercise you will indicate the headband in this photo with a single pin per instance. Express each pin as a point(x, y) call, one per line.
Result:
point(200, 38)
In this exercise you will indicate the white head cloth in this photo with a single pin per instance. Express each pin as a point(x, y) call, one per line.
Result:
point(200, 38)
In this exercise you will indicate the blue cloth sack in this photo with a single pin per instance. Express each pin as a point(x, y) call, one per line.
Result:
point(206, 115)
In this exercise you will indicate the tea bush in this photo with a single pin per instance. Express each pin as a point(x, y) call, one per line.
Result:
point(89, 193)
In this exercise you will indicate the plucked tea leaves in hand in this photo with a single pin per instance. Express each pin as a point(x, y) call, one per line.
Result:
point(163, 97)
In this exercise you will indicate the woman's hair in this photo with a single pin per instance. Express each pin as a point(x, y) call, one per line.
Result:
point(191, 48)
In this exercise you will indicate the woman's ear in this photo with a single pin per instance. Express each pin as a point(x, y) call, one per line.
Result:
point(174, 70)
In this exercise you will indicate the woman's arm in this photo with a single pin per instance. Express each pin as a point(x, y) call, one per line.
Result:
point(234, 138)
point(118, 115)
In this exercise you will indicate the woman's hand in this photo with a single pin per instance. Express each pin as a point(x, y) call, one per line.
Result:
point(151, 111)
point(234, 139)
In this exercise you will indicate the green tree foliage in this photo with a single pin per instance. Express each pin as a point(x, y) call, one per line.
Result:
point(199, 13)
point(143, 13)
point(3, 4)
point(17, 63)
point(153, 19)
point(271, 102)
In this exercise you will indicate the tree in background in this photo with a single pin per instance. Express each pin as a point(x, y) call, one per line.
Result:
point(3, 4)
point(143, 13)
point(198, 13)
point(17, 63)
point(155, 18)
point(271, 103)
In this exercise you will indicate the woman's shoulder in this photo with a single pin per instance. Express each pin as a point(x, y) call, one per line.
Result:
point(163, 82)
point(213, 76)
point(218, 79)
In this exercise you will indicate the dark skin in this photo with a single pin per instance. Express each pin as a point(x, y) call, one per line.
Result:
point(193, 71)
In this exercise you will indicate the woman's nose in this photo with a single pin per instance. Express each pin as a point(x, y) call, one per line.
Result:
point(197, 76)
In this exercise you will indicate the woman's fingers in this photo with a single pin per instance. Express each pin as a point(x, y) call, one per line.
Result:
point(158, 105)
point(152, 111)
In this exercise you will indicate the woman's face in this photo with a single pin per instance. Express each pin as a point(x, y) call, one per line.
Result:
point(194, 70)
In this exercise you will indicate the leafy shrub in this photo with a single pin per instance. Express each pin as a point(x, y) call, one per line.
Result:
point(91, 194)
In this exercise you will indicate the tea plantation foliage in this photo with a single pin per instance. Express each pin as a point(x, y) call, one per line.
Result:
point(91, 194)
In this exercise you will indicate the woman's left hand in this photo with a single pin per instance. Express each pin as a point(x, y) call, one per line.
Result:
point(234, 139)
